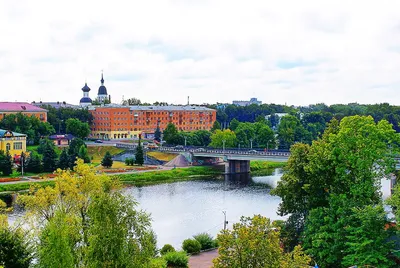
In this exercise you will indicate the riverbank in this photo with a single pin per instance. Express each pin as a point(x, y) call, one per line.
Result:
point(168, 176)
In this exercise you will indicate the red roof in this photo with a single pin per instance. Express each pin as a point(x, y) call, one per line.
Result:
point(19, 107)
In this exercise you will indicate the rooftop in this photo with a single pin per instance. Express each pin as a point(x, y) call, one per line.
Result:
point(3, 133)
point(19, 107)
point(156, 108)
point(55, 104)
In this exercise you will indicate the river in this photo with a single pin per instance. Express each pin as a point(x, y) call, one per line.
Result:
point(182, 209)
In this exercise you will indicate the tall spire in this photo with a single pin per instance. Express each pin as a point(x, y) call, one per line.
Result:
point(102, 79)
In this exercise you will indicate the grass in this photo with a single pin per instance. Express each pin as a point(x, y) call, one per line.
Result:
point(34, 148)
point(23, 186)
point(96, 153)
point(260, 165)
point(162, 156)
point(167, 176)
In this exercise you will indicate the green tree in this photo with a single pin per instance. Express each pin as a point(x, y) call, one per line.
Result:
point(254, 242)
point(84, 220)
point(14, 249)
point(218, 138)
point(73, 150)
point(64, 162)
point(290, 131)
point(50, 158)
point(203, 137)
point(107, 160)
point(265, 137)
point(157, 134)
point(245, 134)
point(77, 128)
point(171, 134)
point(234, 124)
point(83, 154)
point(34, 163)
point(6, 163)
point(347, 160)
point(139, 159)
point(216, 126)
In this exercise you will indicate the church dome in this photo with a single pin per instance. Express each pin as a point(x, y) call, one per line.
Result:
point(102, 88)
point(85, 100)
point(86, 88)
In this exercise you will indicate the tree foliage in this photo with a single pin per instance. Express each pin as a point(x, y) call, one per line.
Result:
point(87, 222)
point(223, 136)
point(6, 163)
point(77, 128)
point(139, 158)
point(171, 134)
point(107, 160)
point(254, 242)
point(34, 163)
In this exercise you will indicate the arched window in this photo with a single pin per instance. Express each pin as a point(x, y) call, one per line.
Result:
point(8, 147)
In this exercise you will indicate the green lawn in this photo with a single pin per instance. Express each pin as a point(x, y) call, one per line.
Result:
point(97, 153)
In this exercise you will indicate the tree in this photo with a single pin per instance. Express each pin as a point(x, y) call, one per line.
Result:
point(245, 134)
point(216, 126)
point(203, 137)
point(34, 163)
point(6, 163)
point(77, 128)
point(221, 136)
point(157, 134)
point(347, 160)
point(73, 150)
point(83, 154)
point(107, 160)
point(84, 220)
point(234, 124)
point(171, 134)
point(265, 137)
point(14, 249)
point(64, 162)
point(254, 242)
point(290, 130)
point(139, 160)
point(131, 101)
point(50, 157)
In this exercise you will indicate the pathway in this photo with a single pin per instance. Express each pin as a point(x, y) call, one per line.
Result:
point(203, 260)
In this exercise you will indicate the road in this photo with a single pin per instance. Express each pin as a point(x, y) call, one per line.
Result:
point(203, 260)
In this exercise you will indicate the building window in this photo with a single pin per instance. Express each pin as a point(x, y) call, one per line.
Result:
point(8, 147)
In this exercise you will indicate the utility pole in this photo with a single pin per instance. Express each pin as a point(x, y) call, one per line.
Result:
point(223, 146)
point(22, 163)
point(251, 143)
point(225, 221)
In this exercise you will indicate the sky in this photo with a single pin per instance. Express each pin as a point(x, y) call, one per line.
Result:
point(284, 52)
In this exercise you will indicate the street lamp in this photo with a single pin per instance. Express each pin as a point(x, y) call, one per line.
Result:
point(251, 143)
point(59, 126)
point(223, 146)
point(185, 140)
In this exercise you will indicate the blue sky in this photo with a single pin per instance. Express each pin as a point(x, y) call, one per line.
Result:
point(294, 52)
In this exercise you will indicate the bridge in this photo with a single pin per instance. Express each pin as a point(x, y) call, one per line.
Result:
point(236, 160)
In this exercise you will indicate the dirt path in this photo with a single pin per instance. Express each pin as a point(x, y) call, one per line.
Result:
point(203, 260)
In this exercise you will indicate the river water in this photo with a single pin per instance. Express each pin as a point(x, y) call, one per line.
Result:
point(182, 209)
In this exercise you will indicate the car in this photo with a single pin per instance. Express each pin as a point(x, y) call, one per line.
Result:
point(253, 151)
point(152, 146)
point(200, 150)
point(98, 141)
point(179, 147)
point(145, 143)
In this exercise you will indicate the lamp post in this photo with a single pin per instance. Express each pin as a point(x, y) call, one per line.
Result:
point(251, 143)
point(59, 126)
point(223, 146)
point(185, 140)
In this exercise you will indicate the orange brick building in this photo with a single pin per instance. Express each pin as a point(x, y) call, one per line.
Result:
point(24, 108)
point(125, 122)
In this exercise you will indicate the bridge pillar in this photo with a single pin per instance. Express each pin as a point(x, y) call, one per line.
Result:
point(237, 166)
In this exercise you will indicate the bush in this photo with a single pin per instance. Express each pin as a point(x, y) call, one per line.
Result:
point(176, 259)
point(191, 246)
point(166, 248)
point(158, 263)
point(206, 241)
point(129, 161)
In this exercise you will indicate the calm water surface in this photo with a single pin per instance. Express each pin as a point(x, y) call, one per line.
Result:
point(182, 209)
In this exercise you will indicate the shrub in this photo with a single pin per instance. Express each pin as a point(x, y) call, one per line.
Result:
point(176, 259)
point(129, 161)
point(206, 241)
point(191, 246)
point(166, 248)
point(158, 263)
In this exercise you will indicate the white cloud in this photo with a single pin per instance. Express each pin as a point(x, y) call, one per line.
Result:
point(294, 52)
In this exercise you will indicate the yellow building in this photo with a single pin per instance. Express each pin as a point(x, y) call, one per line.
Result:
point(14, 143)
